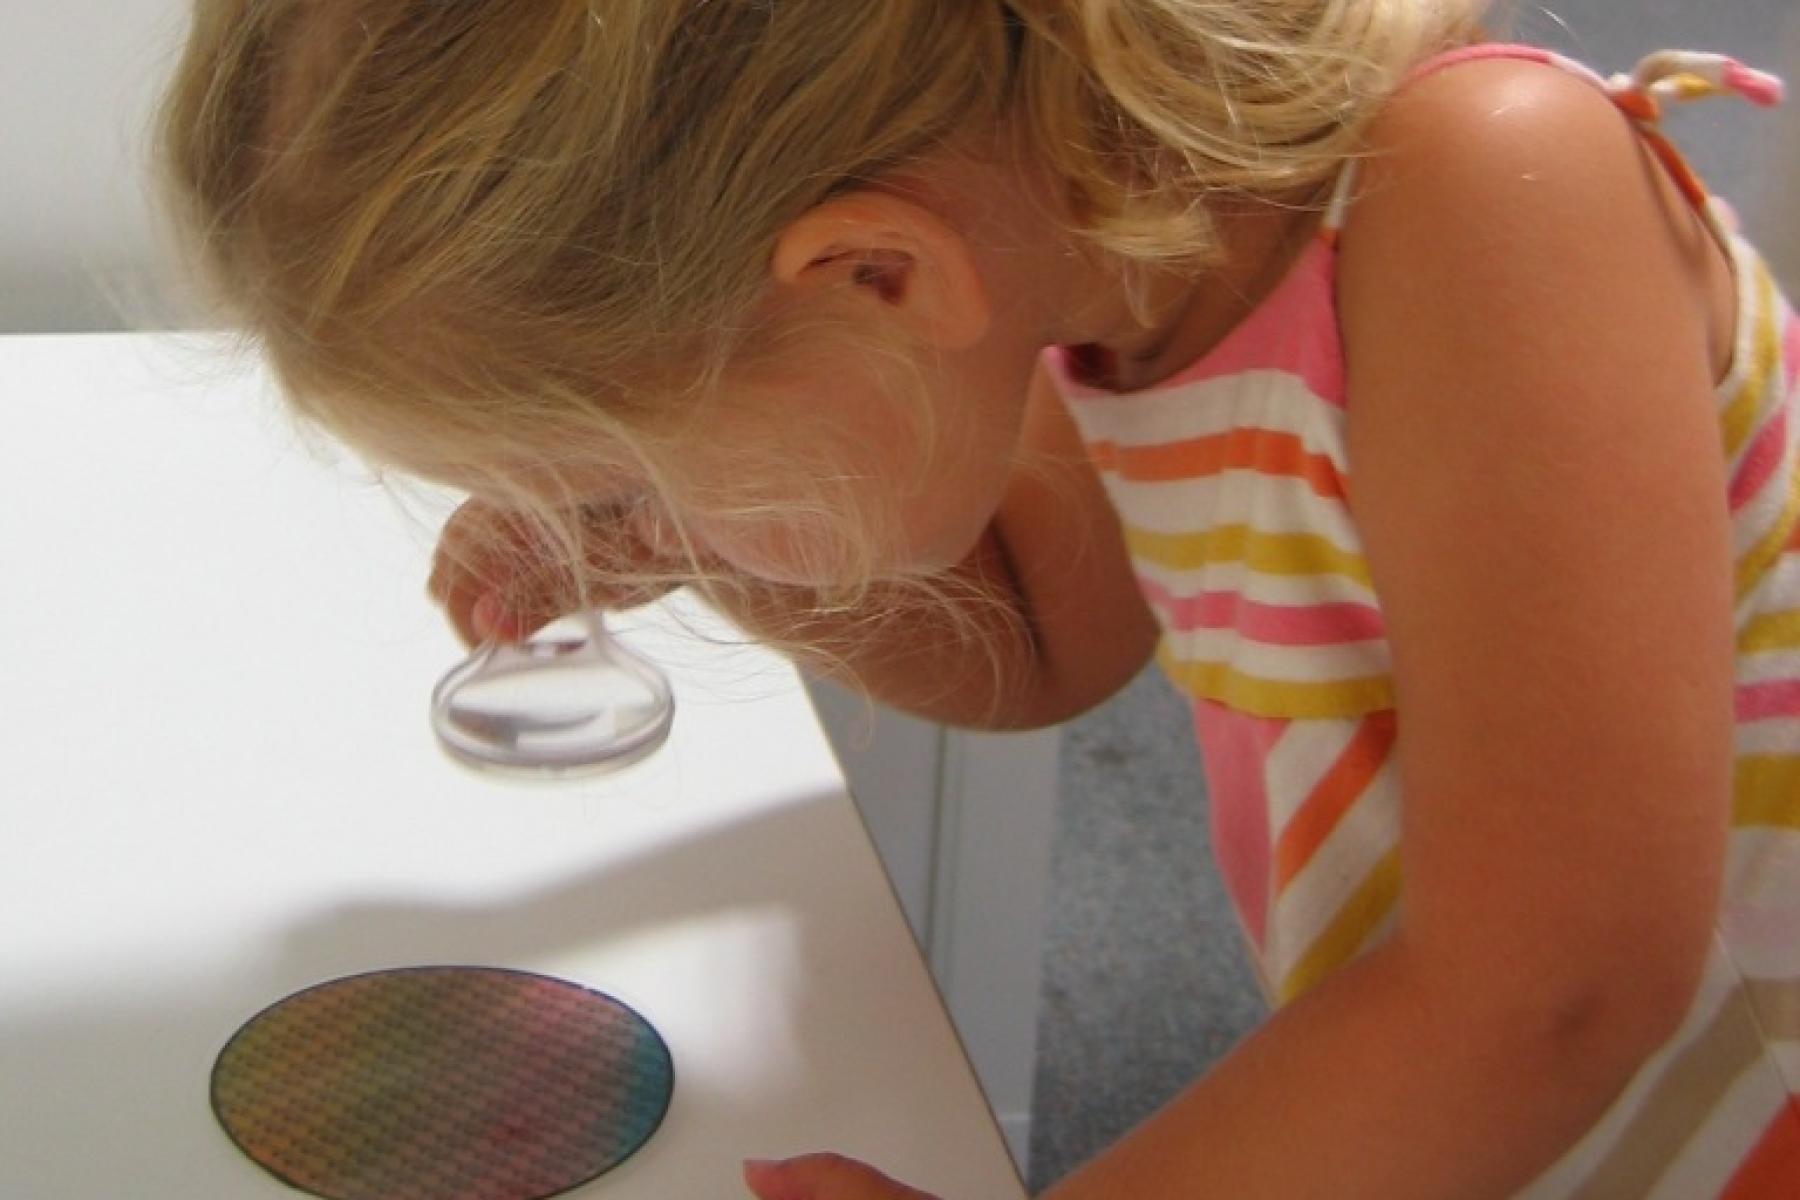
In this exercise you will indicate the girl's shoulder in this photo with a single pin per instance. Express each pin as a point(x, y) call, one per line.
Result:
point(1499, 135)
point(1506, 171)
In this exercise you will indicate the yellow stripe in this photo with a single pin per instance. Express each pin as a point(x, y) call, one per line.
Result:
point(1689, 86)
point(1269, 553)
point(1739, 417)
point(1765, 790)
point(1754, 565)
point(1771, 631)
point(1366, 909)
point(1210, 680)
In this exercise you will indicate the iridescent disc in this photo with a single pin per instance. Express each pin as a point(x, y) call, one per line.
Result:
point(431, 1083)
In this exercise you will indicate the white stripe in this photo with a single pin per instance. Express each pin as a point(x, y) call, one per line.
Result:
point(1264, 397)
point(1257, 587)
point(1299, 759)
point(1762, 870)
point(1761, 909)
point(1774, 601)
point(1753, 521)
point(1750, 271)
point(1267, 503)
point(1761, 952)
point(1778, 591)
point(1260, 399)
point(1765, 738)
point(1769, 666)
point(1746, 269)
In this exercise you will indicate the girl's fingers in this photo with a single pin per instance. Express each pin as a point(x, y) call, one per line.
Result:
point(496, 576)
point(823, 1177)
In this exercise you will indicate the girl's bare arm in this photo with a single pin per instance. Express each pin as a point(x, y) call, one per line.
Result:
point(1540, 489)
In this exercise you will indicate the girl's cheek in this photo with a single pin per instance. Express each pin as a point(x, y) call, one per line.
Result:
point(773, 559)
point(743, 549)
point(773, 552)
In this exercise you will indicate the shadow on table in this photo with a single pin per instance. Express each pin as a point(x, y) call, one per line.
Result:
point(93, 1095)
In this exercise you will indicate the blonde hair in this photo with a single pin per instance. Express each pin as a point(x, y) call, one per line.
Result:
point(1148, 107)
point(465, 233)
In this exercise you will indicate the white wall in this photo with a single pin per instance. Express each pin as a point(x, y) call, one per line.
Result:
point(76, 81)
point(76, 243)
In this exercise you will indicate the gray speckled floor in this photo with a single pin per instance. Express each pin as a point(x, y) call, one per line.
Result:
point(1145, 979)
point(1145, 982)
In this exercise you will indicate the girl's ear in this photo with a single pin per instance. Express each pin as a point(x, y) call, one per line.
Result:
point(897, 254)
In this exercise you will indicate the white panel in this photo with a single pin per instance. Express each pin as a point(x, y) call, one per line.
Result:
point(77, 80)
point(999, 816)
point(892, 761)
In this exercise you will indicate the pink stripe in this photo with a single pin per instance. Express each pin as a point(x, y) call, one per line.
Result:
point(1759, 87)
point(1760, 460)
point(1233, 748)
point(1271, 624)
point(1501, 50)
point(1486, 50)
point(1760, 701)
point(1293, 331)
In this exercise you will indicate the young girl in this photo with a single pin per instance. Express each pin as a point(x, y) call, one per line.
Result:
point(1408, 391)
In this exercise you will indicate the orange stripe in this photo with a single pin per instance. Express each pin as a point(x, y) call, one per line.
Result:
point(1326, 805)
point(1772, 1172)
point(1678, 167)
point(1264, 451)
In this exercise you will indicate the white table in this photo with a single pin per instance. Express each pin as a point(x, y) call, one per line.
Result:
point(217, 787)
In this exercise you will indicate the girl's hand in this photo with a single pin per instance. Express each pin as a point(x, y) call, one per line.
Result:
point(498, 576)
point(824, 1177)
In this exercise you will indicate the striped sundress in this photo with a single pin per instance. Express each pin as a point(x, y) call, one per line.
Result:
point(1230, 481)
